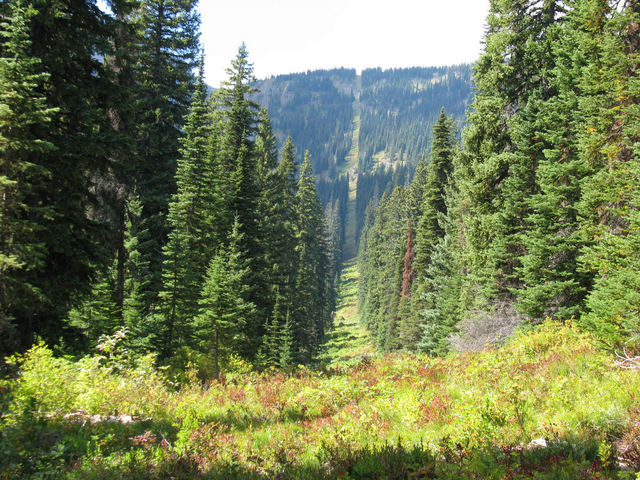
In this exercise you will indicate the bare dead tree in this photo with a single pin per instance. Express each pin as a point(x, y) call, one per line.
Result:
point(625, 360)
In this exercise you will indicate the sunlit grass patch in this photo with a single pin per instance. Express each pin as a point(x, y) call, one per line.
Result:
point(465, 416)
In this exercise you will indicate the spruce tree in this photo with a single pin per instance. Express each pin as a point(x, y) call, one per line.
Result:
point(225, 310)
point(610, 202)
point(164, 75)
point(310, 310)
point(24, 115)
point(192, 236)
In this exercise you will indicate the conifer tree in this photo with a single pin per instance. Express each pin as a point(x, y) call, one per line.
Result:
point(167, 55)
point(78, 90)
point(237, 178)
point(271, 348)
point(381, 283)
point(24, 114)
point(610, 202)
point(143, 325)
point(441, 301)
point(310, 312)
point(279, 223)
point(288, 345)
point(192, 237)
point(225, 310)
point(516, 63)
point(236, 159)
point(432, 182)
point(99, 313)
point(416, 189)
point(552, 283)
point(270, 204)
point(429, 230)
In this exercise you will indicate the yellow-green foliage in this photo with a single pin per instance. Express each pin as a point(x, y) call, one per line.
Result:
point(97, 385)
point(549, 382)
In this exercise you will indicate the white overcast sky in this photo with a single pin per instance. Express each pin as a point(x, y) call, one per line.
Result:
point(286, 36)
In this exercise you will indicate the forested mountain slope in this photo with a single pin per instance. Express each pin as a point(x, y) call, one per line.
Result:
point(398, 108)
point(381, 119)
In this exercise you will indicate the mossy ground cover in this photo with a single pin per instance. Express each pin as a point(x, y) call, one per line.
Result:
point(469, 416)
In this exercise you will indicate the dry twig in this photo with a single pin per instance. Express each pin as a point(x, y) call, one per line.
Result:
point(625, 360)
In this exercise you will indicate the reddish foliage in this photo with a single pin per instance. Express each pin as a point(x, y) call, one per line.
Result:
point(237, 395)
point(319, 423)
point(629, 445)
point(437, 409)
point(146, 439)
point(529, 368)
point(269, 395)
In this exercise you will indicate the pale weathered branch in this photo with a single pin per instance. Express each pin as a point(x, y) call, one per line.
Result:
point(625, 360)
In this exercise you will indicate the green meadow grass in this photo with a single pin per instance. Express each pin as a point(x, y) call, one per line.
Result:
point(348, 341)
point(470, 416)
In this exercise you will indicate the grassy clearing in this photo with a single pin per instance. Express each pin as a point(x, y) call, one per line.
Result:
point(348, 342)
point(351, 165)
point(471, 416)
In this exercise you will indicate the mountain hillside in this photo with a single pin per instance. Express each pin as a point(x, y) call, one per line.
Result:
point(365, 132)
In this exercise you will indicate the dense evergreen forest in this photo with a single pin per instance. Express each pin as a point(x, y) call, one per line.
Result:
point(400, 106)
point(182, 297)
point(370, 129)
point(534, 214)
point(131, 198)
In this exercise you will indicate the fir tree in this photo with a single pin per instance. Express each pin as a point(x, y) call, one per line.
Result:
point(500, 176)
point(610, 203)
point(310, 312)
point(237, 178)
point(429, 231)
point(224, 308)
point(167, 55)
point(67, 39)
point(191, 212)
point(442, 305)
point(279, 225)
point(142, 324)
point(24, 114)
point(553, 286)
point(432, 183)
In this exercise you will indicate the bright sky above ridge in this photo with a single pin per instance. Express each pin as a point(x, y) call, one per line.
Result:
point(286, 36)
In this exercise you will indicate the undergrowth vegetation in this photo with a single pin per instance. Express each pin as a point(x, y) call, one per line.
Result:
point(546, 405)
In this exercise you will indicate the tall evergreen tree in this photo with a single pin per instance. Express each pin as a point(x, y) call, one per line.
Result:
point(144, 325)
point(224, 308)
point(429, 231)
point(310, 311)
point(610, 143)
point(279, 223)
point(24, 116)
point(192, 237)
point(67, 39)
point(167, 55)
point(553, 285)
point(516, 63)
point(237, 174)
point(384, 244)
point(433, 183)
